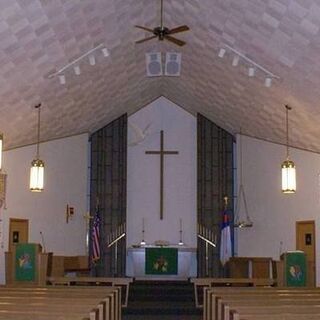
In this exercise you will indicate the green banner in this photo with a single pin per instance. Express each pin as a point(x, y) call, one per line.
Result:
point(25, 261)
point(296, 269)
point(161, 261)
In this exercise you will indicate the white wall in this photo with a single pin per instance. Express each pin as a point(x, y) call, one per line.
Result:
point(65, 183)
point(274, 214)
point(179, 175)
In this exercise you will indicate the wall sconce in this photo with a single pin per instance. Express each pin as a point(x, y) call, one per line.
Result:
point(69, 213)
point(253, 67)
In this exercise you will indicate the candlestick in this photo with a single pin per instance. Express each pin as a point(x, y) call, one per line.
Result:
point(142, 241)
point(180, 241)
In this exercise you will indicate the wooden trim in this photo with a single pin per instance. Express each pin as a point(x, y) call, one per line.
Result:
point(11, 220)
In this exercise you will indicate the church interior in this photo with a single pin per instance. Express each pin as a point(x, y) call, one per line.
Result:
point(178, 141)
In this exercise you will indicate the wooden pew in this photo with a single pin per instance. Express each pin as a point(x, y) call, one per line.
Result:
point(115, 282)
point(214, 297)
point(61, 302)
point(212, 282)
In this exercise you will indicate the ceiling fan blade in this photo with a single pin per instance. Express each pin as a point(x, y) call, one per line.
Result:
point(146, 39)
point(179, 29)
point(144, 28)
point(174, 40)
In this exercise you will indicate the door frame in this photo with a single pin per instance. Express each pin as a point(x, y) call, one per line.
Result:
point(314, 246)
point(10, 228)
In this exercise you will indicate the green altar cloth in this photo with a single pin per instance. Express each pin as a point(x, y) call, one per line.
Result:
point(161, 261)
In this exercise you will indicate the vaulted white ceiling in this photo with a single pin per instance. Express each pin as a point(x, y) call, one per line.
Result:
point(38, 37)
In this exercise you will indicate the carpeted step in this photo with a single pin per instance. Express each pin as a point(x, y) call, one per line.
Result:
point(161, 298)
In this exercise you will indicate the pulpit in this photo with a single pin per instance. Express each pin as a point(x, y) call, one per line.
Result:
point(292, 269)
point(26, 265)
point(162, 263)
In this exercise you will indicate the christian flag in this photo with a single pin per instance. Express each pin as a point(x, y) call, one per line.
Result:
point(225, 243)
point(96, 236)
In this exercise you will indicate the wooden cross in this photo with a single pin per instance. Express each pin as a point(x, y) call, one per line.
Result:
point(162, 153)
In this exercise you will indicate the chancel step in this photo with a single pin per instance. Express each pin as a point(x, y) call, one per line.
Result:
point(152, 298)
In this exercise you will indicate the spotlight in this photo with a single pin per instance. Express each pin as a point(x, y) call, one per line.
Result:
point(105, 52)
point(221, 53)
point(267, 82)
point(235, 61)
point(92, 60)
point(77, 70)
point(62, 79)
point(251, 71)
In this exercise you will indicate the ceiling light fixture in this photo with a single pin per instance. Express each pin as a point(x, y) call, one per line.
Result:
point(92, 60)
point(62, 79)
point(288, 168)
point(77, 70)
point(268, 82)
point(221, 53)
point(253, 67)
point(37, 165)
point(235, 61)
point(75, 64)
point(105, 52)
point(251, 72)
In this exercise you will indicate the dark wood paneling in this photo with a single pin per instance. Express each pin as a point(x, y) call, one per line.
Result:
point(215, 180)
point(108, 185)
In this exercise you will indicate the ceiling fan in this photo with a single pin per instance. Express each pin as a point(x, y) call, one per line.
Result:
point(164, 33)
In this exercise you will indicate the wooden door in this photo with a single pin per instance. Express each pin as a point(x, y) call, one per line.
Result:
point(306, 241)
point(18, 232)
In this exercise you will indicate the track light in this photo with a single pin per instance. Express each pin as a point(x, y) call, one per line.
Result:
point(76, 63)
point(253, 67)
point(62, 79)
point(105, 52)
point(251, 72)
point(77, 70)
point(221, 53)
point(267, 82)
point(92, 60)
point(235, 61)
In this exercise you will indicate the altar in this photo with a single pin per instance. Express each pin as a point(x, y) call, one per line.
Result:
point(180, 263)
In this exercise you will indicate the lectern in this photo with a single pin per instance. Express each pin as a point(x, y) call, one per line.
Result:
point(294, 269)
point(26, 265)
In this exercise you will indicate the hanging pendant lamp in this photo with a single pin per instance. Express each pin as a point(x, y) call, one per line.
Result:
point(239, 221)
point(37, 165)
point(288, 168)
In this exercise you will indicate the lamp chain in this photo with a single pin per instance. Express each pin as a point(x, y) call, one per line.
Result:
point(161, 15)
point(287, 128)
point(38, 141)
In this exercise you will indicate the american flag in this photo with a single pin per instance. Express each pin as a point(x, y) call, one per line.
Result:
point(96, 236)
